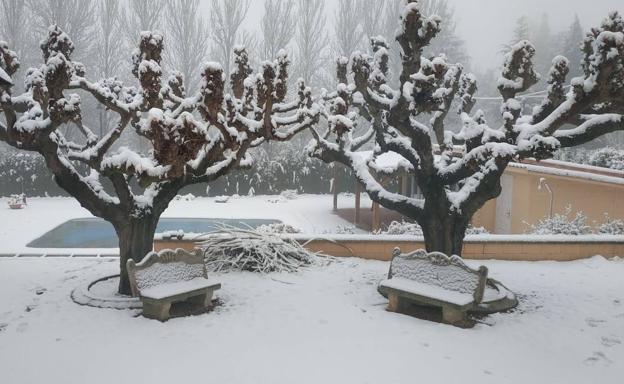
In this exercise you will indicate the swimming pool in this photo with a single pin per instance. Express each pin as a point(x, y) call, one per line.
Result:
point(97, 233)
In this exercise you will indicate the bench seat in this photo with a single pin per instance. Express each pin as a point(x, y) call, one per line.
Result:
point(171, 290)
point(425, 292)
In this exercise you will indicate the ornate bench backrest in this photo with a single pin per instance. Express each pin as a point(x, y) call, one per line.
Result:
point(167, 266)
point(439, 270)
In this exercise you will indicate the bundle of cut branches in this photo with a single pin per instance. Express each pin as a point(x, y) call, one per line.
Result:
point(234, 249)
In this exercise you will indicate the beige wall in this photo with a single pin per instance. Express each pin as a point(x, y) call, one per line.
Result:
point(530, 204)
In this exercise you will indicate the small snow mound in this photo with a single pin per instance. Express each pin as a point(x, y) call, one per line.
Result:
point(595, 262)
point(187, 197)
point(289, 194)
point(221, 199)
point(277, 228)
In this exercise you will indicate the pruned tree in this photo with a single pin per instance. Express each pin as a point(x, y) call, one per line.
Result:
point(277, 27)
point(457, 173)
point(311, 40)
point(447, 41)
point(187, 43)
point(226, 19)
point(194, 140)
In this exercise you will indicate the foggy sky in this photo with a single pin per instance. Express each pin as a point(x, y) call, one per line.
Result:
point(486, 25)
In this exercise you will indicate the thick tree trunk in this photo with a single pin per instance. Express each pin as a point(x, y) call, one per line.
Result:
point(445, 233)
point(136, 238)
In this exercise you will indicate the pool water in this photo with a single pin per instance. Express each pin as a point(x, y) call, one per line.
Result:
point(97, 233)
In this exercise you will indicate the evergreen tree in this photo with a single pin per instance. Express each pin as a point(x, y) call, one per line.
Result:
point(542, 39)
point(522, 31)
point(572, 46)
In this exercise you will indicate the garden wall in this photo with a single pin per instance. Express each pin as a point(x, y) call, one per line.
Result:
point(495, 247)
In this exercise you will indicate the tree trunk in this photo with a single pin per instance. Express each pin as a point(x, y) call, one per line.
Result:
point(445, 233)
point(136, 238)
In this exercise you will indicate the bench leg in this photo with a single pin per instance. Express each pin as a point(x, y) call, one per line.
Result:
point(158, 311)
point(393, 303)
point(204, 300)
point(453, 316)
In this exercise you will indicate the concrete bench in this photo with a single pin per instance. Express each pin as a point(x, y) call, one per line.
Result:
point(434, 280)
point(168, 277)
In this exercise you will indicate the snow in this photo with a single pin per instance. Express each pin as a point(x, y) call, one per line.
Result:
point(327, 324)
point(167, 273)
point(162, 291)
point(128, 159)
point(310, 213)
point(387, 162)
point(428, 290)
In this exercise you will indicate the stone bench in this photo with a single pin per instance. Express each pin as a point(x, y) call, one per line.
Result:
point(168, 277)
point(434, 280)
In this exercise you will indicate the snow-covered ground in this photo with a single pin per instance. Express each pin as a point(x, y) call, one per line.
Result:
point(326, 324)
point(310, 213)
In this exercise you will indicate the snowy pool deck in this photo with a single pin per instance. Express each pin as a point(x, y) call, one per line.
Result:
point(324, 325)
point(310, 213)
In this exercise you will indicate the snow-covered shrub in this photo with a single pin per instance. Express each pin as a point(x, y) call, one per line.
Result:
point(277, 228)
point(233, 249)
point(611, 226)
point(573, 155)
point(477, 231)
point(608, 157)
point(562, 224)
point(343, 230)
point(397, 228)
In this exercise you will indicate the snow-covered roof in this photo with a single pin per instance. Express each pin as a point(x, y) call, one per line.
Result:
point(588, 174)
point(583, 168)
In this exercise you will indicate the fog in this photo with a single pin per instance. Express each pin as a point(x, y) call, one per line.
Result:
point(486, 25)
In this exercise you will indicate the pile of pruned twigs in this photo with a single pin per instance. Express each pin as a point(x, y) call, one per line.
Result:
point(234, 249)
